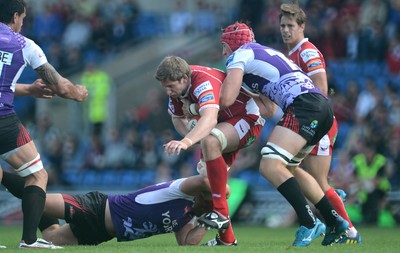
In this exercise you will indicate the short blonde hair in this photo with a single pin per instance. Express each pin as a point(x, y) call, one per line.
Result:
point(172, 68)
point(293, 10)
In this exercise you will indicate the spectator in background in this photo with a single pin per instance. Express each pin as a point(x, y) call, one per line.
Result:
point(186, 169)
point(149, 155)
point(163, 173)
point(372, 19)
point(74, 150)
point(393, 158)
point(342, 175)
point(100, 42)
point(371, 12)
point(114, 150)
point(393, 56)
point(180, 20)
point(94, 155)
point(370, 169)
point(394, 111)
point(349, 30)
point(252, 10)
point(153, 112)
point(132, 147)
point(85, 8)
point(48, 26)
point(205, 18)
point(98, 83)
point(367, 99)
point(392, 27)
point(77, 33)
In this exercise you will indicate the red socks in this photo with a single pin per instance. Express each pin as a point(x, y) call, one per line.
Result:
point(337, 204)
point(218, 177)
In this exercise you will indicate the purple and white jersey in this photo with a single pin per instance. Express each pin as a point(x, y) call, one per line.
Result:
point(156, 209)
point(270, 73)
point(16, 51)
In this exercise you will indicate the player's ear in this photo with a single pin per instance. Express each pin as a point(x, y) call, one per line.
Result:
point(185, 78)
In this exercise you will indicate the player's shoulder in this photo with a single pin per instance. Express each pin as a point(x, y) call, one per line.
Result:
point(309, 51)
point(308, 45)
point(205, 72)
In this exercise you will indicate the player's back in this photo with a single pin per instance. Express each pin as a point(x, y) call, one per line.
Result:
point(155, 209)
point(269, 72)
point(205, 79)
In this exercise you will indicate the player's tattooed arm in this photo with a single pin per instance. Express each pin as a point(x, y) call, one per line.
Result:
point(60, 85)
point(49, 75)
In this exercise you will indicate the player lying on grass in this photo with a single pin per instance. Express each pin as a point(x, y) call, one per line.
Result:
point(95, 217)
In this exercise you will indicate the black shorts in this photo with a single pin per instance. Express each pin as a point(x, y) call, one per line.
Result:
point(310, 115)
point(85, 214)
point(12, 133)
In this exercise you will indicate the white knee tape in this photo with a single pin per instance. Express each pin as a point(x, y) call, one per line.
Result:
point(202, 168)
point(30, 167)
point(275, 152)
point(220, 136)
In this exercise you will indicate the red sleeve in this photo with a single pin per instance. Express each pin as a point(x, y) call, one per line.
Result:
point(206, 86)
point(308, 58)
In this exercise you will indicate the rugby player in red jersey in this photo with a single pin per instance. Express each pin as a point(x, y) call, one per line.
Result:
point(220, 131)
point(311, 61)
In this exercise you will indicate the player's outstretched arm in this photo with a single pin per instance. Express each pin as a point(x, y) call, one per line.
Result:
point(37, 89)
point(61, 86)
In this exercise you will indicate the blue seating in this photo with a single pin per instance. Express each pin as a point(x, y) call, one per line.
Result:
point(129, 178)
point(343, 133)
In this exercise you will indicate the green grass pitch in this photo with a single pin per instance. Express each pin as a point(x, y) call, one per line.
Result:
point(250, 239)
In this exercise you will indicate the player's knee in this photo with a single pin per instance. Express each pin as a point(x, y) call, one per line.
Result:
point(210, 142)
point(38, 178)
point(220, 136)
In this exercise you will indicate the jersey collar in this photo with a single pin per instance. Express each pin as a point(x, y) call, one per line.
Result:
point(298, 45)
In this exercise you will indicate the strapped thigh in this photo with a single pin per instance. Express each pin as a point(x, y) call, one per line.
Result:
point(30, 167)
point(273, 151)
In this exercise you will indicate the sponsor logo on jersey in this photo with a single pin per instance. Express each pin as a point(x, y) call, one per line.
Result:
point(207, 98)
point(314, 124)
point(324, 148)
point(309, 54)
point(206, 86)
point(171, 106)
point(168, 223)
point(314, 65)
point(307, 130)
point(230, 59)
point(250, 141)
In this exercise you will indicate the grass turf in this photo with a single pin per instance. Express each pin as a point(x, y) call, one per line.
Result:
point(250, 239)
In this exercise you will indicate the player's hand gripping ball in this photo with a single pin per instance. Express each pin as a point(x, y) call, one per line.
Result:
point(192, 122)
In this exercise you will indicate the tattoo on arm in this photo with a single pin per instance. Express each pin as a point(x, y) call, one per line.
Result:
point(49, 75)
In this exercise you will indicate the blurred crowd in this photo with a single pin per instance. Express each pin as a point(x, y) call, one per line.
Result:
point(364, 33)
